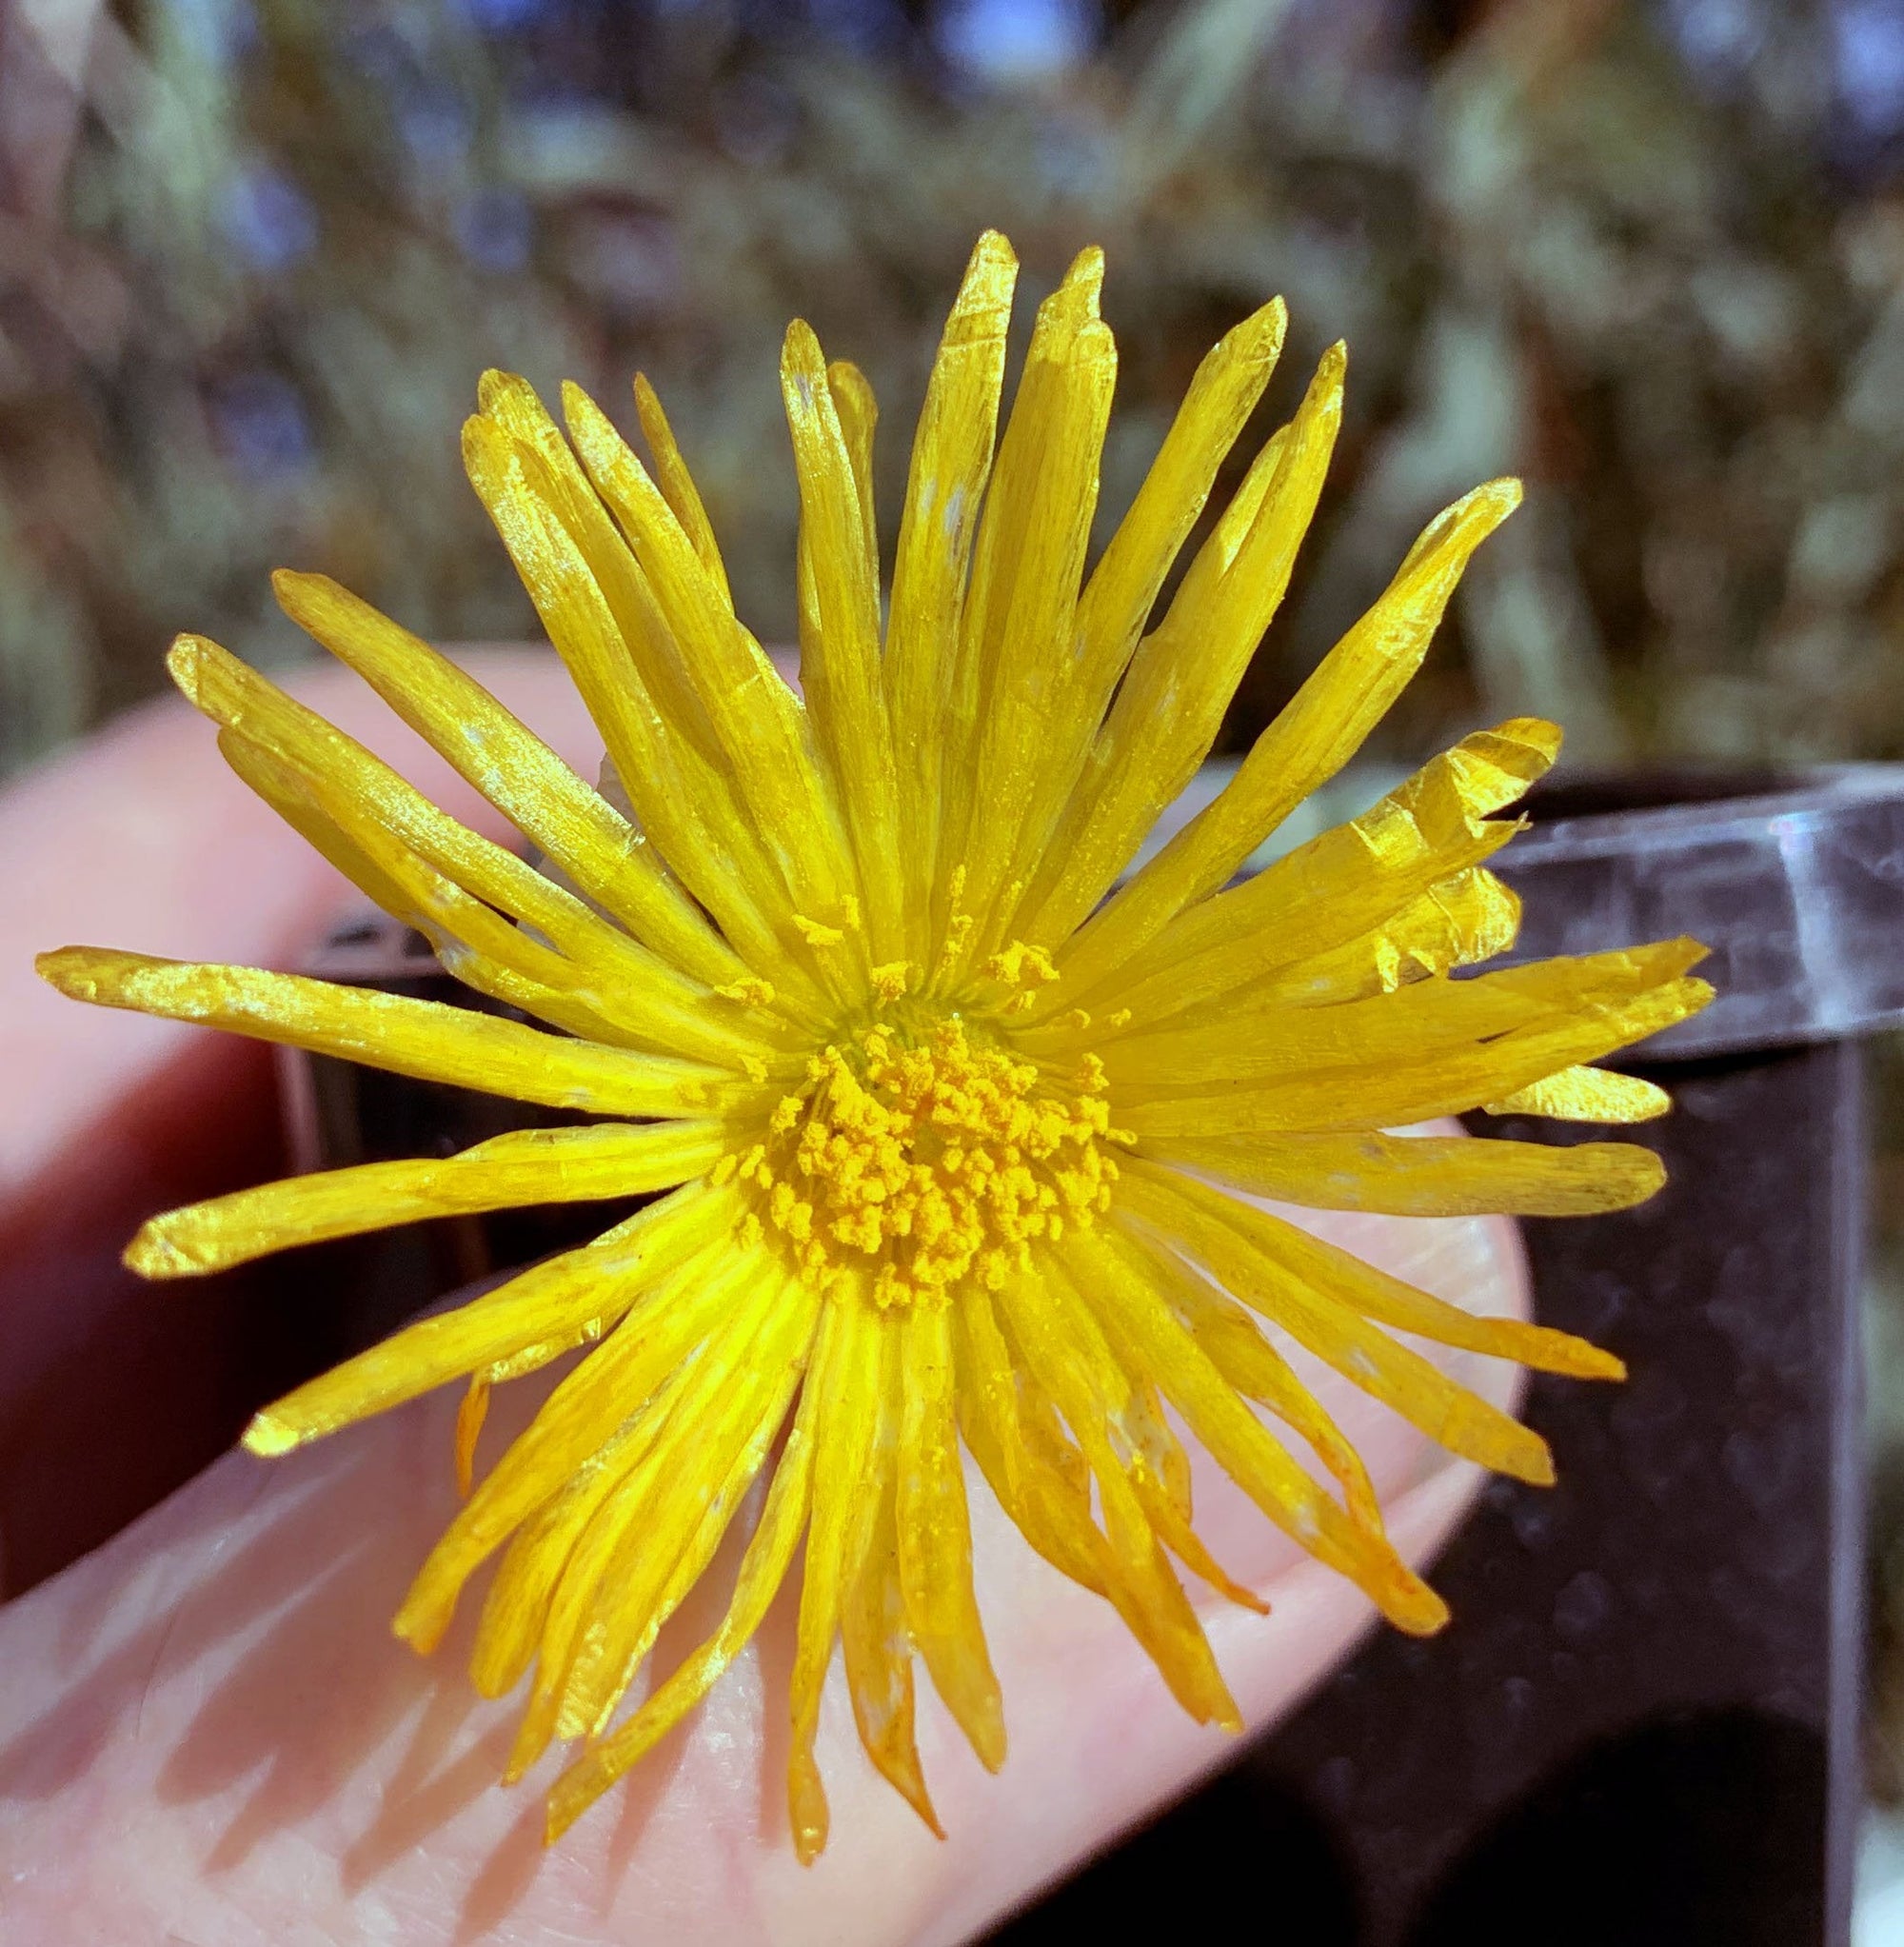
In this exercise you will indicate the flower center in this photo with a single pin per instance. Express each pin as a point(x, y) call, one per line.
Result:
point(924, 1158)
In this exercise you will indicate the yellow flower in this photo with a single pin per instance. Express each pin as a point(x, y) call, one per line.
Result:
point(950, 1138)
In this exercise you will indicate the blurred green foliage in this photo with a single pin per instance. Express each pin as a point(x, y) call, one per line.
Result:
point(254, 254)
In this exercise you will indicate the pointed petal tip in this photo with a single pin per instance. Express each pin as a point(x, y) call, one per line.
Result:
point(60, 968)
point(185, 657)
point(800, 354)
point(299, 590)
point(1087, 266)
point(152, 1254)
point(269, 1436)
point(496, 384)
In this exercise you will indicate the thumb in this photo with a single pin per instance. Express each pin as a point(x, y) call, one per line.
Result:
point(210, 1735)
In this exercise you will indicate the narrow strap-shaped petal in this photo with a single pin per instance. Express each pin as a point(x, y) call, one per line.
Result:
point(567, 1438)
point(514, 452)
point(1321, 728)
point(1437, 1083)
point(677, 485)
point(487, 953)
point(1335, 887)
point(935, 1536)
point(426, 1038)
point(1124, 585)
point(1469, 917)
point(1425, 1018)
point(759, 722)
point(614, 992)
point(847, 1367)
point(874, 1637)
point(1180, 683)
point(1222, 1233)
point(951, 465)
point(1119, 1289)
point(762, 1570)
point(1342, 1276)
point(840, 642)
point(1426, 1176)
point(1045, 1323)
point(1051, 1509)
point(1022, 620)
point(706, 1463)
point(1587, 1095)
point(859, 413)
point(679, 795)
point(1233, 1342)
point(634, 1534)
point(524, 1166)
point(239, 699)
point(590, 1287)
point(515, 770)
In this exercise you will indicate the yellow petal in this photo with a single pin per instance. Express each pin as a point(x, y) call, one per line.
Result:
point(1048, 1501)
point(874, 1637)
point(572, 1437)
point(759, 722)
point(677, 484)
point(515, 770)
point(1018, 658)
point(1180, 683)
point(1426, 1176)
point(1319, 731)
point(1469, 917)
point(1327, 891)
point(1233, 1343)
point(951, 464)
point(1230, 1237)
point(1337, 1274)
point(762, 1569)
point(1440, 1083)
point(426, 1038)
point(935, 1537)
point(680, 793)
point(1062, 1348)
point(592, 1285)
point(506, 1172)
point(585, 978)
point(1587, 1095)
point(1423, 1019)
point(1128, 1301)
point(840, 642)
point(846, 1370)
point(1124, 585)
point(603, 1608)
point(470, 1415)
point(709, 1453)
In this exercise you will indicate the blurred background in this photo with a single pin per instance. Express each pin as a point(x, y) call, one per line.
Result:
point(1647, 253)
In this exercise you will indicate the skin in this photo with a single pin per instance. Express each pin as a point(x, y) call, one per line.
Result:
point(209, 1737)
